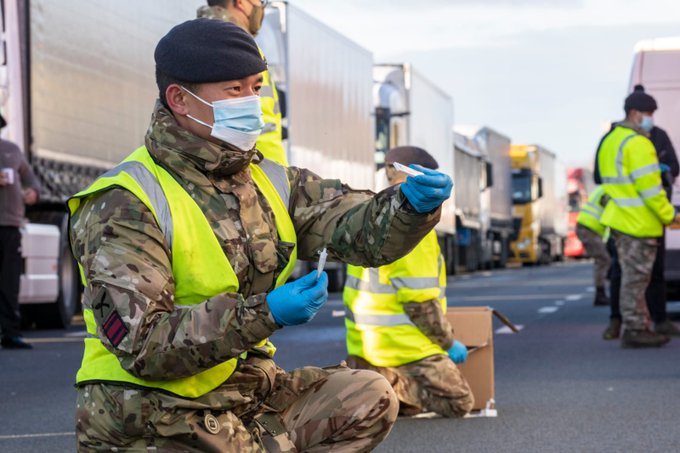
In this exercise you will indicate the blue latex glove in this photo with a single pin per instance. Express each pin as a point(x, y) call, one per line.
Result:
point(664, 168)
point(298, 301)
point(428, 191)
point(458, 352)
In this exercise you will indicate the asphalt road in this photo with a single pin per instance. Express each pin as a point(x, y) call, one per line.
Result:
point(559, 386)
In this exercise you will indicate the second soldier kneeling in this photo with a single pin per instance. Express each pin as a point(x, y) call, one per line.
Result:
point(396, 319)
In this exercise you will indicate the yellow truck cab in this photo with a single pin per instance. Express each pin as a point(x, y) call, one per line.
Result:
point(539, 205)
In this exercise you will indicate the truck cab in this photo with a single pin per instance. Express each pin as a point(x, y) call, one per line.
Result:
point(526, 193)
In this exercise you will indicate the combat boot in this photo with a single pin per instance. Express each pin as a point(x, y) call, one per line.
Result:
point(600, 297)
point(613, 330)
point(643, 339)
point(667, 328)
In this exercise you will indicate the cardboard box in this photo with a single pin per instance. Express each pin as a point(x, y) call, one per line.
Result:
point(473, 326)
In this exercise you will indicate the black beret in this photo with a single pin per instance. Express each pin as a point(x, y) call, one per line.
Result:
point(408, 155)
point(639, 100)
point(208, 50)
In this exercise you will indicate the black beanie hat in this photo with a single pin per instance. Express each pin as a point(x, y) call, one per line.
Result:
point(639, 100)
point(408, 155)
point(208, 50)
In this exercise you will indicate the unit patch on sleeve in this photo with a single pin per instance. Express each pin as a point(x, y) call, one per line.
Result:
point(114, 328)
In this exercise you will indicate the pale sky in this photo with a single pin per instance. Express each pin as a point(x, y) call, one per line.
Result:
point(552, 72)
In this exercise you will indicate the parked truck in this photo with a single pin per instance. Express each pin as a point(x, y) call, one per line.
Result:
point(78, 89)
point(496, 198)
point(580, 184)
point(539, 194)
point(325, 85)
point(473, 171)
point(410, 110)
point(656, 65)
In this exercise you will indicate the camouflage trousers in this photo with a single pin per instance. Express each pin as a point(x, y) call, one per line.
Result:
point(636, 258)
point(307, 410)
point(596, 249)
point(433, 384)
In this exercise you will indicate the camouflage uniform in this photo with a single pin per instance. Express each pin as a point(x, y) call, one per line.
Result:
point(432, 384)
point(128, 268)
point(596, 248)
point(636, 258)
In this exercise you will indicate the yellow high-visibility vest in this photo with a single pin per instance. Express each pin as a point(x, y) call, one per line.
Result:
point(269, 143)
point(590, 213)
point(200, 268)
point(630, 176)
point(378, 329)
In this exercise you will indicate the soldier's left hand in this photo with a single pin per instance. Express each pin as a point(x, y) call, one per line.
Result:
point(428, 191)
point(458, 352)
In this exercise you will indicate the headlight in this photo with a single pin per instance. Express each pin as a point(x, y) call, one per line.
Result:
point(524, 244)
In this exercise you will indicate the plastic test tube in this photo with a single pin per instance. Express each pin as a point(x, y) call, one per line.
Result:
point(408, 170)
point(322, 263)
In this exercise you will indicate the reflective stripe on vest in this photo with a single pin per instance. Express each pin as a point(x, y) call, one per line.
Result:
point(200, 268)
point(591, 211)
point(619, 178)
point(378, 328)
point(639, 206)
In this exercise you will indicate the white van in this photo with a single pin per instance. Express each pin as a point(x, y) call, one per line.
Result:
point(656, 65)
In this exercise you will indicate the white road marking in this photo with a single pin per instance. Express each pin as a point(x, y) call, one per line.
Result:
point(80, 333)
point(338, 313)
point(506, 330)
point(590, 289)
point(559, 303)
point(54, 340)
point(574, 297)
point(32, 436)
point(551, 309)
point(521, 297)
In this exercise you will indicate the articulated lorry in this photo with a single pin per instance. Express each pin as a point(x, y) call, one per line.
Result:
point(539, 194)
point(325, 85)
point(410, 110)
point(496, 197)
point(78, 89)
point(580, 183)
point(472, 171)
point(656, 65)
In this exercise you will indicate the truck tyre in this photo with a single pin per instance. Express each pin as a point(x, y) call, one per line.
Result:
point(58, 314)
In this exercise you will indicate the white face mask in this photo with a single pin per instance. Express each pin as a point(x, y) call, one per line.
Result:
point(238, 121)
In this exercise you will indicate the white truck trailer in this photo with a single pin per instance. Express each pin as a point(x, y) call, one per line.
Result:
point(78, 88)
point(656, 65)
point(324, 81)
point(496, 198)
point(410, 110)
point(472, 219)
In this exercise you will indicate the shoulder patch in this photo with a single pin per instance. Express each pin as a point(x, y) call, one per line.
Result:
point(114, 328)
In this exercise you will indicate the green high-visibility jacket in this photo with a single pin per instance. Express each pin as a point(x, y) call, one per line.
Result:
point(378, 329)
point(630, 176)
point(590, 214)
point(199, 266)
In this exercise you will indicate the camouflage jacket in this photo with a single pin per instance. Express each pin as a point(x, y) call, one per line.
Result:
point(128, 266)
point(431, 321)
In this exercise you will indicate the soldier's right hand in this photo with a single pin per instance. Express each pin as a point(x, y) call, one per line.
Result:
point(298, 301)
point(675, 224)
